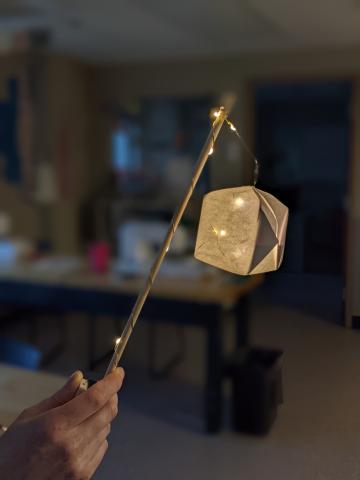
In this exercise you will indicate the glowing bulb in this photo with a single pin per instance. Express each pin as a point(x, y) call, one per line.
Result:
point(167, 249)
point(117, 341)
point(222, 233)
point(211, 151)
point(232, 127)
point(217, 114)
point(239, 202)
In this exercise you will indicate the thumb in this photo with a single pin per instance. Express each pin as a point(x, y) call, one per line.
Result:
point(62, 396)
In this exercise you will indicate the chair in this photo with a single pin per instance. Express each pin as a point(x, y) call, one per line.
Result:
point(20, 354)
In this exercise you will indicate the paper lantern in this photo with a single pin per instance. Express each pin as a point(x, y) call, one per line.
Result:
point(242, 230)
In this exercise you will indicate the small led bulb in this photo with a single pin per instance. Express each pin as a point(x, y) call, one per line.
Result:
point(239, 202)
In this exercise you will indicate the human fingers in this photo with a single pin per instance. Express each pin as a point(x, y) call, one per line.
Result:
point(94, 424)
point(83, 458)
point(83, 406)
point(62, 396)
point(95, 462)
point(88, 449)
point(89, 435)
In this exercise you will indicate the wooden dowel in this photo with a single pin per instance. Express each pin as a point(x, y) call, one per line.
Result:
point(130, 324)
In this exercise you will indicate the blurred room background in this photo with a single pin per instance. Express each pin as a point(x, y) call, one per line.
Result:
point(104, 108)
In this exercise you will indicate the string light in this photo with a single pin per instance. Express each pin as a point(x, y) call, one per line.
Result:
point(239, 202)
point(219, 117)
point(219, 233)
point(216, 114)
point(247, 148)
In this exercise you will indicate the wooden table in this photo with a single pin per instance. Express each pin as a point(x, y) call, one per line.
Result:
point(200, 302)
point(20, 389)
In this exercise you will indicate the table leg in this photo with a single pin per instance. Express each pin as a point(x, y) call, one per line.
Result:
point(104, 359)
point(60, 345)
point(92, 341)
point(242, 323)
point(213, 388)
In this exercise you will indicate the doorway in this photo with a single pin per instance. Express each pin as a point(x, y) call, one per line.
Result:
point(302, 138)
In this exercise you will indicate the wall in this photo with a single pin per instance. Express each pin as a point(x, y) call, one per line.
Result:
point(65, 136)
point(127, 82)
point(13, 199)
point(199, 76)
point(79, 94)
point(353, 258)
point(72, 118)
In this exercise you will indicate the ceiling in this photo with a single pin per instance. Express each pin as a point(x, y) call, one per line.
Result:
point(137, 30)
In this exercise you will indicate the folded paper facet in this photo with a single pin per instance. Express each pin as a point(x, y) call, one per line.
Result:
point(242, 230)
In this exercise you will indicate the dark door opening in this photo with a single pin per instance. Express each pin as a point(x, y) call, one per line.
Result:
point(302, 137)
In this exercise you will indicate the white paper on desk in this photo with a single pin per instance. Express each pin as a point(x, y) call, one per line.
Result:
point(57, 266)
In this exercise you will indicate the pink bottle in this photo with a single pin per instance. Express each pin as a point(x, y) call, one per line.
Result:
point(99, 254)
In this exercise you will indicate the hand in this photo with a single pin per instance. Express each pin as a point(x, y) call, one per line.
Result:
point(63, 437)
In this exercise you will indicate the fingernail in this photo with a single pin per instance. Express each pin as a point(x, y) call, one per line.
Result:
point(120, 371)
point(77, 375)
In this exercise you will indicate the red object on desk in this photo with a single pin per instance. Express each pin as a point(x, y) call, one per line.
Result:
point(99, 254)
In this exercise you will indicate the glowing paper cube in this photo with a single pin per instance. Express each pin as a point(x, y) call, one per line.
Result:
point(242, 230)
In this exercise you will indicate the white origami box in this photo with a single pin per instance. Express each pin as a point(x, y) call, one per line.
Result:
point(242, 230)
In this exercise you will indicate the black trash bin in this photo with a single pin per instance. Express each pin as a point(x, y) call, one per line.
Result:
point(256, 375)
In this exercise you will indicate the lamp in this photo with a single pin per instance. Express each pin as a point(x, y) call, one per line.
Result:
point(241, 230)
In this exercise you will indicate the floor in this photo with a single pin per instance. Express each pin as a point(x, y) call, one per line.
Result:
point(158, 434)
point(316, 435)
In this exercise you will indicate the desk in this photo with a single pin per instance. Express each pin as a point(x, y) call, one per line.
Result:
point(20, 389)
point(199, 302)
